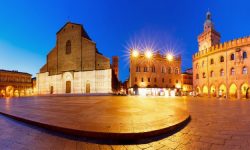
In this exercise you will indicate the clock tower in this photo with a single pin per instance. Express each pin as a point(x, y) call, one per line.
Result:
point(209, 36)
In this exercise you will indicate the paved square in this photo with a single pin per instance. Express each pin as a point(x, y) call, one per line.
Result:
point(215, 124)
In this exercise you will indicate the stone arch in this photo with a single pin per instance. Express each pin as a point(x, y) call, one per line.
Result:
point(244, 90)
point(2, 93)
point(233, 91)
point(198, 90)
point(9, 91)
point(68, 82)
point(16, 93)
point(213, 91)
point(222, 90)
point(22, 93)
point(205, 90)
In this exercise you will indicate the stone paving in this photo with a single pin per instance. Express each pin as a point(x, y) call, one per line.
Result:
point(216, 124)
point(106, 117)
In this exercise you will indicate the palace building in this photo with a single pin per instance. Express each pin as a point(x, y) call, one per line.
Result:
point(74, 65)
point(14, 83)
point(221, 69)
point(154, 74)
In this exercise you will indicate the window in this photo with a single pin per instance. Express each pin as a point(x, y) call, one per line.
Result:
point(170, 81)
point(197, 65)
point(204, 75)
point(232, 57)
point(211, 61)
point(148, 79)
point(197, 76)
point(163, 70)
point(142, 80)
point(221, 72)
point(202, 63)
point(176, 71)
point(244, 70)
point(68, 47)
point(153, 68)
point(137, 69)
point(162, 80)
point(212, 74)
point(155, 79)
point(145, 69)
point(169, 70)
point(135, 79)
point(244, 55)
point(221, 59)
point(232, 71)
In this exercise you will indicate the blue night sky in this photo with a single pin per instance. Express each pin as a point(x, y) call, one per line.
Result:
point(28, 28)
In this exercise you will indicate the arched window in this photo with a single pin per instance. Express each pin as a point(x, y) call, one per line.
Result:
point(197, 65)
point(197, 76)
point(221, 72)
point(221, 59)
point(163, 70)
point(68, 47)
point(142, 80)
point(244, 70)
point(169, 70)
point(145, 69)
point(202, 64)
point(137, 68)
point(211, 61)
point(244, 55)
point(204, 75)
point(176, 71)
point(232, 57)
point(212, 74)
point(153, 68)
point(232, 71)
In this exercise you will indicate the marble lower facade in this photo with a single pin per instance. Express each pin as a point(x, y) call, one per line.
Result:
point(96, 81)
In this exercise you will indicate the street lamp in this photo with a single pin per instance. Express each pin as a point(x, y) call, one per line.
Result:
point(135, 53)
point(148, 54)
point(169, 57)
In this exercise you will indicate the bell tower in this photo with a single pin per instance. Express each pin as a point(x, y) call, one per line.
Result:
point(209, 37)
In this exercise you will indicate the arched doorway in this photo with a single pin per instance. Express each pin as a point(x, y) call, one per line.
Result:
point(205, 90)
point(16, 93)
point(136, 89)
point(213, 91)
point(68, 86)
point(51, 89)
point(9, 91)
point(87, 87)
point(222, 90)
point(2, 94)
point(198, 90)
point(244, 90)
point(233, 91)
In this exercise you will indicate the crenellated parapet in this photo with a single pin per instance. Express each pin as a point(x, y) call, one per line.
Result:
point(223, 46)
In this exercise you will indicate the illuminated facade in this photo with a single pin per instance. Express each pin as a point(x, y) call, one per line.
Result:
point(14, 83)
point(154, 74)
point(187, 82)
point(221, 69)
point(74, 65)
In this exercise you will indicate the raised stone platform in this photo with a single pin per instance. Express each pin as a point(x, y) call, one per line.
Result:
point(107, 117)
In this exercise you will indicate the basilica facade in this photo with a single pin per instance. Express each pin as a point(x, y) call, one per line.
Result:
point(74, 65)
point(221, 69)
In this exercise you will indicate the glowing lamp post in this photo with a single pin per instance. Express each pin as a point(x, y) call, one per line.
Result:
point(148, 54)
point(135, 53)
point(170, 57)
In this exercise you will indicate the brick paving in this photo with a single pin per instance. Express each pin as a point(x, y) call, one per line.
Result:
point(215, 125)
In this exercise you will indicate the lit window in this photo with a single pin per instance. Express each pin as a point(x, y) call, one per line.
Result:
point(137, 69)
point(176, 71)
point(212, 74)
point(244, 70)
point(221, 72)
point(244, 55)
point(68, 47)
point(232, 71)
